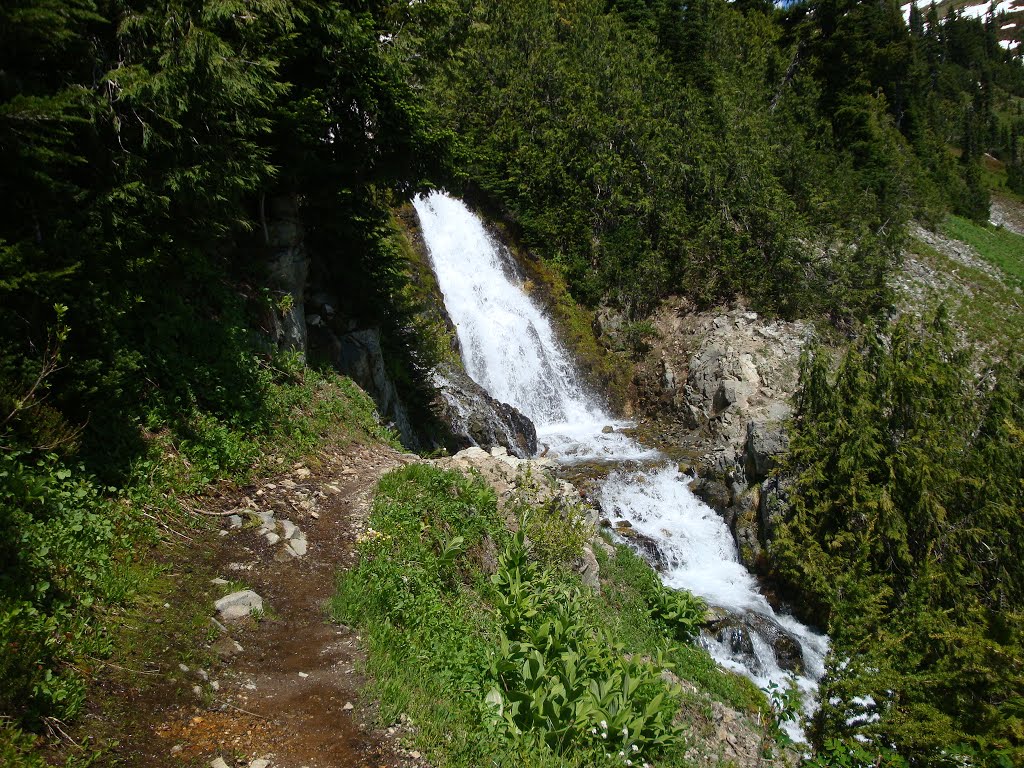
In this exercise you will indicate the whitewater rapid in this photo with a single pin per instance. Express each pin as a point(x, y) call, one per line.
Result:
point(509, 347)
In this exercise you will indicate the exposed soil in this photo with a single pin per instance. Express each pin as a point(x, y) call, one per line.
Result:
point(292, 695)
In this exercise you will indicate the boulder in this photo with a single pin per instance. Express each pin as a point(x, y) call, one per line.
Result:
point(788, 653)
point(589, 569)
point(734, 630)
point(238, 605)
point(474, 418)
point(766, 444)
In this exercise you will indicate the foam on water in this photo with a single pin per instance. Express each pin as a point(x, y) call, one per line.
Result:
point(509, 347)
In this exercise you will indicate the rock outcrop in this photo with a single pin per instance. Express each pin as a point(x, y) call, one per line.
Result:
point(288, 266)
point(717, 372)
point(719, 384)
point(358, 354)
point(477, 419)
point(518, 482)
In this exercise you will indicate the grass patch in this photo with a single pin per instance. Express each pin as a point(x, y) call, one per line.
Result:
point(517, 664)
point(1000, 247)
point(988, 310)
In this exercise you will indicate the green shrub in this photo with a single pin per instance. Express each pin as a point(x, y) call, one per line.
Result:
point(57, 539)
point(561, 685)
point(681, 613)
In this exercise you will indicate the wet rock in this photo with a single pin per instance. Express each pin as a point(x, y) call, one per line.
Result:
point(474, 418)
point(788, 653)
point(645, 546)
point(713, 491)
point(238, 605)
point(737, 639)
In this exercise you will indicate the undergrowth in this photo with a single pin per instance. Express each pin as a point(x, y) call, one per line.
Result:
point(74, 550)
point(506, 661)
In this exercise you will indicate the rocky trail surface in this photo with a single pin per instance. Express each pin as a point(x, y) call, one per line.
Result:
point(275, 684)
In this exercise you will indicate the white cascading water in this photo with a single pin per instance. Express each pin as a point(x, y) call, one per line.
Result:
point(510, 349)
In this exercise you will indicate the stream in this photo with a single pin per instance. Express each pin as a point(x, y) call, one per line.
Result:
point(509, 347)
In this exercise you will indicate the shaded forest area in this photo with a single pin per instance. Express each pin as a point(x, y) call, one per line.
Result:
point(642, 149)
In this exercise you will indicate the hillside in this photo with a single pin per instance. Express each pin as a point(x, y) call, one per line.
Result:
point(788, 239)
point(1007, 16)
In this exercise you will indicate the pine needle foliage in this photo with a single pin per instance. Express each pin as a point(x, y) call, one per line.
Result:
point(904, 537)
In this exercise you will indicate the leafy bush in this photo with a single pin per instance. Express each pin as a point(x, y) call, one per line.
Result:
point(560, 684)
point(680, 612)
point(57, 539)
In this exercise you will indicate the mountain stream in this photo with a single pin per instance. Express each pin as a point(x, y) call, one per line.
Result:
point(509, 347)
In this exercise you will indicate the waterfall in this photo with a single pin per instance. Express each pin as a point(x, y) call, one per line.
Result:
point(510, 348)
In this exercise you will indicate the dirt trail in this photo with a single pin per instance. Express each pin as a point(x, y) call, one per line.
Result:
point(291, 696)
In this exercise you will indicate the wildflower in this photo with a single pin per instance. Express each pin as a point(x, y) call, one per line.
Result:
point(636, 748)
point(604, 725)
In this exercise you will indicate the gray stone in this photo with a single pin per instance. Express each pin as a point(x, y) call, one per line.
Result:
point(272, 538)
point(358, 354)
point(260, 762)
point(218, 763)
point(288, 529)
point(474, 418)
point(235, 521)
point(238, 605)
point(728, 394)
point(765, 446)
point(297, 547)
point(590, 571)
